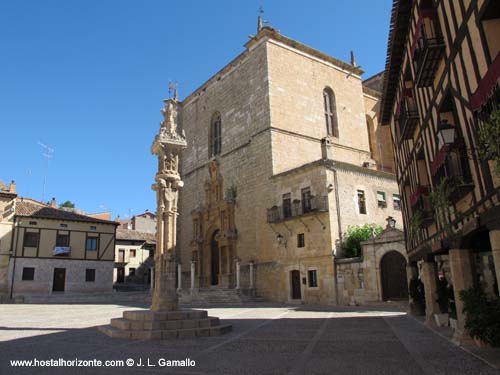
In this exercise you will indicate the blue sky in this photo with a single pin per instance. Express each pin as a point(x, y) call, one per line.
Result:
point(88, 78)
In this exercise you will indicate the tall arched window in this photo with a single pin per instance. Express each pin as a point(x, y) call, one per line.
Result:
point(330, 112)
point(215, 135)
point(370, 130)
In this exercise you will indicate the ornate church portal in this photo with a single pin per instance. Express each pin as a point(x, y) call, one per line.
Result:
point(214, 235)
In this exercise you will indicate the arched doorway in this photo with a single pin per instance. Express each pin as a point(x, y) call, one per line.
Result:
point(393, 274)
point(214, 259)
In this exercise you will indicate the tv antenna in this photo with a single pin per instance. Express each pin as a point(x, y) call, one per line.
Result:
point(47, 153)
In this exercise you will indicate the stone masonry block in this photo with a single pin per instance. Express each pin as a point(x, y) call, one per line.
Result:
point(189, 324)
point(186, 333)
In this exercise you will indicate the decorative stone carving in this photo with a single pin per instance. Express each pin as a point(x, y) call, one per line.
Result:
point(157, 323)
point(216, 216)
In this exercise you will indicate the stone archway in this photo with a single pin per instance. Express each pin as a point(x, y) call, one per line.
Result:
point(393, 275)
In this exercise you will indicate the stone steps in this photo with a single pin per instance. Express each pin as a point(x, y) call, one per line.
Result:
point(150, 325)
point(165, 334)
point(89, 298)
point(206, 296)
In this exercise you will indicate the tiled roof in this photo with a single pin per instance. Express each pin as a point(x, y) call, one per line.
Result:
point(135, 235)
point(31, 208)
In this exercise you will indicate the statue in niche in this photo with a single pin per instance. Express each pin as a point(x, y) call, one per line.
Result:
point(169, 163)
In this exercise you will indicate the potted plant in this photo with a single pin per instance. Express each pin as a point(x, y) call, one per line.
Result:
point(482, 316)
point(442, 300)
point(417, 295)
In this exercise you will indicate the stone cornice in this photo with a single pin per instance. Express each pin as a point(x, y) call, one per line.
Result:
point(334, 165)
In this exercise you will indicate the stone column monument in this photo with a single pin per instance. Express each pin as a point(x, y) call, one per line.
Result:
point(164, 320)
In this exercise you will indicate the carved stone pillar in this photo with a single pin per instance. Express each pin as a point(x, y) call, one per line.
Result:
point(163, 318)
point(429, 278)
point(179, 276)
point(251, 275)
point(462, 278)
point(192, 274)
point(411, 273)
point(237, 274)
point(152, 285)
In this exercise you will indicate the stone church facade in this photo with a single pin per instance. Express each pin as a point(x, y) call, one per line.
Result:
point(284, 154)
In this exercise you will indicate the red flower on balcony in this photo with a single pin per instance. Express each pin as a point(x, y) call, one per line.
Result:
point(419, 191)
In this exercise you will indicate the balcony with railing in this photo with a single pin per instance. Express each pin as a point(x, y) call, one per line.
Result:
point(420, 202)
point(451, 164)
point(428, 48)
point(297, 208)
point(408, 119)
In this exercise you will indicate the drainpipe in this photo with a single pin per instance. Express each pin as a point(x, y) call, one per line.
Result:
point(337, 203)
point(339, 224)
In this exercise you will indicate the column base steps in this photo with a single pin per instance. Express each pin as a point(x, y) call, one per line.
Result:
point(167, 325)
point(207, 296)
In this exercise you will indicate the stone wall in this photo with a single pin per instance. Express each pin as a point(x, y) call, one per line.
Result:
point(75, 276)
point(360, 279)
point(270, 99)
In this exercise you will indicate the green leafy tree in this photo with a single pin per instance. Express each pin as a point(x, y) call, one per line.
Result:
point(489, 139)
point(357, 234)
point(67, 204)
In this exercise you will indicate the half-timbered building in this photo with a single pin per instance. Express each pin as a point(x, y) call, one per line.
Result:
point(441, 86)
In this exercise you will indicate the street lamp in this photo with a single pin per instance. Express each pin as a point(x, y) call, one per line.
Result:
point(446, 133)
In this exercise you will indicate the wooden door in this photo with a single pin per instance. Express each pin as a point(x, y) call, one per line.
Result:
point(120, 275)
point(295, 281)
point(394, 282)
point(59, 279)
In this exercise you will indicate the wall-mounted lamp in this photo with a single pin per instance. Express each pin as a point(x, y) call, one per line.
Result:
point(281, 239)
point(446, 133)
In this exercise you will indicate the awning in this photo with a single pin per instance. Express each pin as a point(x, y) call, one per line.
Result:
point(421, 190)
point(62, 250)
point(487, 85)
point(439, 159)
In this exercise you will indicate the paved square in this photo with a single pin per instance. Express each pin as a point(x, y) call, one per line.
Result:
point(266, 339)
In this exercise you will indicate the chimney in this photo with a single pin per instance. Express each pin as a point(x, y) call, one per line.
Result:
point(53, 203)
point(12, 187)
point(326, 149)
point(353, 59)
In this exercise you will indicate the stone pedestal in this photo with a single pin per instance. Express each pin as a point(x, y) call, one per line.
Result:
point(462, 278)
point(150, 325)
point(429, 278)
point(495, 250)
